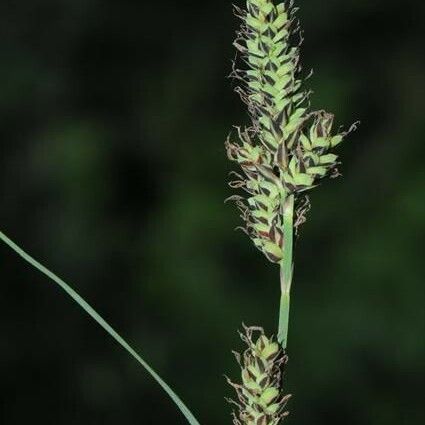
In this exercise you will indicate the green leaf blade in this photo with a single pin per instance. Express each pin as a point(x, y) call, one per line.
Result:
point(105, 325)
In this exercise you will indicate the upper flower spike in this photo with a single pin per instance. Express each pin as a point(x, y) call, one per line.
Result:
point(286, 150)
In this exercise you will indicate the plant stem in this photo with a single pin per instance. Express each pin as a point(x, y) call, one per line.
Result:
point(286, 269)
point(102, 322)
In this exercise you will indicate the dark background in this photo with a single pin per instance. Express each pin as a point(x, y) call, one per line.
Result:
point(113, 173)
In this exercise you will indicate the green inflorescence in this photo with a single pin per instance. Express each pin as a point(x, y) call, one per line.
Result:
point(260, 400)
point(287, 148)
point(284, 152)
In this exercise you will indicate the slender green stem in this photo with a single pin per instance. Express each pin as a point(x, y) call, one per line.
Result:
point(100, 321)
point(286, 269)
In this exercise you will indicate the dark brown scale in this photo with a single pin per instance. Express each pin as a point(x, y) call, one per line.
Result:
point(269, 102)
point(264, 47)
point(257, 55)
point(291, 187)
point(263, 382)
point(251, 174)
point(288, 85)
point(265, 191)
point(276, 171)
point(263, 110)
point(277, 130)
point(319, 150)
point(252, 29)
point(265, 235)
point(269, 32)
point(250, 78)
point(261, 205)
point(252, 9)
point(272, 257)
point(273, 67)
point(262, 220)
point(269, 79)
point(272, 15)
point(302, 166)
point(281, 154)
point(272, 234)
point(268, 95)
point(282, 118)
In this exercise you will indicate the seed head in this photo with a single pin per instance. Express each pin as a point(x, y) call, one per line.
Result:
point(260, 399)
point(287, 148)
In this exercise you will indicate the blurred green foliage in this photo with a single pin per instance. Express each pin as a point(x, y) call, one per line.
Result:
point(112, 172)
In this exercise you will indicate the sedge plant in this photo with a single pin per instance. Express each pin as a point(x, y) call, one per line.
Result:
point(283, 153)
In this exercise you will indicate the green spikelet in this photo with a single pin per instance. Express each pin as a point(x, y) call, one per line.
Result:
point(260, 400)
point(286, 150)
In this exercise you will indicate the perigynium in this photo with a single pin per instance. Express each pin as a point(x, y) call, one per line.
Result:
point(283, 153)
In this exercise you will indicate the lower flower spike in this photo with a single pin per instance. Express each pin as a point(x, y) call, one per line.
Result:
point(260, 400)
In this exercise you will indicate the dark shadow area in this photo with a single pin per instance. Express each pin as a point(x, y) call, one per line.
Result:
point(113, 116)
